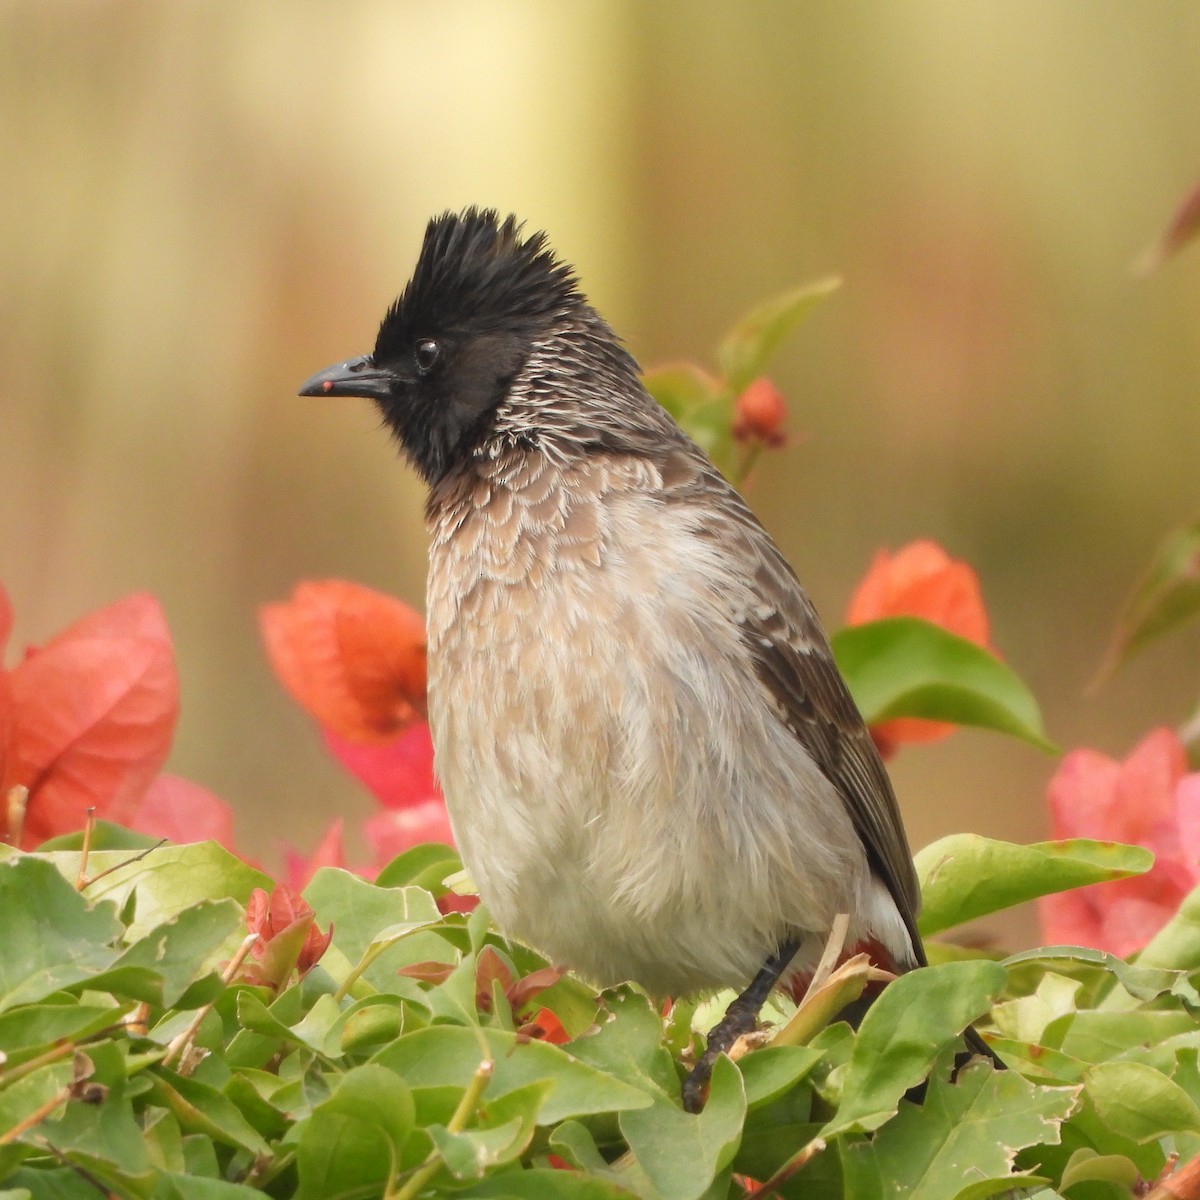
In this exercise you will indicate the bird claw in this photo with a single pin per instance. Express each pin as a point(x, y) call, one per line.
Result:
point(731, 1035)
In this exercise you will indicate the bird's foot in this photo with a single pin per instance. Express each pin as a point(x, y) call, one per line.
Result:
point(740, 1019)
point(738, 1022)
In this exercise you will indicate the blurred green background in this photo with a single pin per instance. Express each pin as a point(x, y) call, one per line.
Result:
point(204, 203)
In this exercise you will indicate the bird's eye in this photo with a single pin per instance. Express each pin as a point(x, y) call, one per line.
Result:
point(425, 353)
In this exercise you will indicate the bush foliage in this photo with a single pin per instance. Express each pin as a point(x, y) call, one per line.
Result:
point(142, 1060)
point(174, 1026)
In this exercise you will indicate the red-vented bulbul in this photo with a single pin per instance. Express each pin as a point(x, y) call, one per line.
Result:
point(653, 768)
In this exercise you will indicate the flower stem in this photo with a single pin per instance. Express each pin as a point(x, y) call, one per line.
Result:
point(457, 1123)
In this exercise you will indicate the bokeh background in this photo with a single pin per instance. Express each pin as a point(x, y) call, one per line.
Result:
point(201, 204)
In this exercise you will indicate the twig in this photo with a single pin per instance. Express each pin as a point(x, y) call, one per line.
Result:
point(182, 1042)
point(372, 952)
point(14, 816)
point(1183, 1185)
point(834, 944)
point(10, 1075)
point(457, 1123)
point(126, 863)
point(743, 468)
point(136, 1024)
point(793, 1166)
point(40, 1060)
point(36, 1117)
point(89, 827)
point(86, 1176)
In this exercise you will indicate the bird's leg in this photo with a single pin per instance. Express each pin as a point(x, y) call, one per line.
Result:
point(740, 1018)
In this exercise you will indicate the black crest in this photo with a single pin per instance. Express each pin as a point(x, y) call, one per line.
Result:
point(476, 272)
point(492, 338)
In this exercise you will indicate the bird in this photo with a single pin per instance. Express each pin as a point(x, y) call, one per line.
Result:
point(653, 768)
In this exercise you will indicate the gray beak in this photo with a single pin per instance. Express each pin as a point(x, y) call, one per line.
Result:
point(355, 377)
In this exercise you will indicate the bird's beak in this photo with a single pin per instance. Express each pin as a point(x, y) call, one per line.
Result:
point(355, 377)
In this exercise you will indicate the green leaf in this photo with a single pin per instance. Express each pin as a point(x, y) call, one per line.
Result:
point(628, 1043)
point(202, 1109)
point(369, 1023)
point(1139, 1102)
point(104, 836)
point(681, 388)
point(200, 1156)
point(1095, 1036)
point(252, 1091)
point(367, 918)
point(1167, 596)
point(915, 1018)
point(196, 1187)
point(908, 667)
point(449, 1055)
point(503, 1132)
point(168, 881)
point(53, 938)
point(1176, 945)
point(453, 1000)
point(316, 1026)
point(773, 1138)
point(31, 1092)
point(186, 947)
point(965, 876)
point(1038, 1062)
point(1140, 981)
point(574, 1142)
point(256, 1017)
point(426, 865)
point(962, 1141)
point(747, 348)
point(546, 1184)
point(12, 1155)
point(681, 1153)
point(1026, 1018)
point(1086, 1166)
point(774, 1070)
point(701, 405)
point(1183, 1063)
point(467, 1155)
point(104, 1137)
point(352, 1141)
point(24, 1031)
point(62, 1183)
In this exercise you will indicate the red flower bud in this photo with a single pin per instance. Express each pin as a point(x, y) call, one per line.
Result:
point(288, 935)
point(759, 413)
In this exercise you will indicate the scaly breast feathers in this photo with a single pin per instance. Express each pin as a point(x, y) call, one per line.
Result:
point(616, 760)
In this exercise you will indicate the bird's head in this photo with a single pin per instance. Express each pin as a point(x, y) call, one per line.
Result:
point(455, 352)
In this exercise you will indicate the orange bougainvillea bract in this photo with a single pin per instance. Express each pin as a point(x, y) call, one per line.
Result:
point(330, 852)
point(1149, 799)
point(182, 811)
point(353, 657)
point(919, 580)
point(86, 720)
